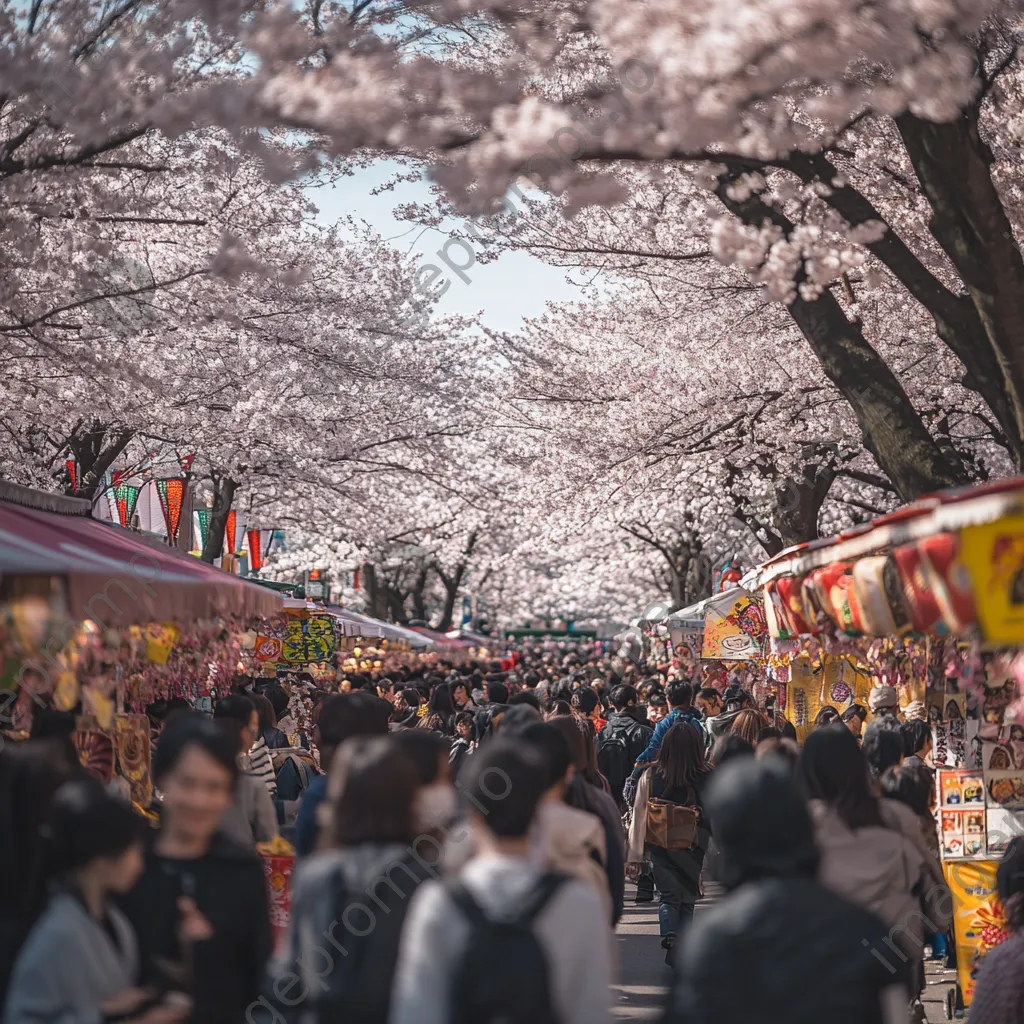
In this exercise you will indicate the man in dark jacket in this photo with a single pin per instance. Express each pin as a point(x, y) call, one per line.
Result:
point(622, 740)
point(804, 954)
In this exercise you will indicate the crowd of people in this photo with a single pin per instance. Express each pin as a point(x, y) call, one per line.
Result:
point(463, 852)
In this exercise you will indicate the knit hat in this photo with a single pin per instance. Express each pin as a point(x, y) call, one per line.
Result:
point(883, 697)
point(915, 710)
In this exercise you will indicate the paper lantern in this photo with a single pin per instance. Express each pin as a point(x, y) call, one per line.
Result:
point(172, 494)
point(72, 473)
point(126, 497)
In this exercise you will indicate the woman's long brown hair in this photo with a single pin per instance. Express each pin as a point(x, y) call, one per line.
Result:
point(681, 758)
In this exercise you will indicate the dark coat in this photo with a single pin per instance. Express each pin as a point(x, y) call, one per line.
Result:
point(228, 887)
point(779, 948)
point(799, 952)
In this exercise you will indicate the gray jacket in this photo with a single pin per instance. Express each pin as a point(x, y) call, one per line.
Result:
point(252, 817)
point(69, 965)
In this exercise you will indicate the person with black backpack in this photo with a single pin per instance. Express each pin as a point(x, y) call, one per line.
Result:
point(622, 740)
point(669, 824)
point(505, 941)
point(350, 902)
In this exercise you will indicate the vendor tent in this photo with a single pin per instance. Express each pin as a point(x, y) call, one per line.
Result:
point(113, 576)
point(440, 639)
point(365, 625)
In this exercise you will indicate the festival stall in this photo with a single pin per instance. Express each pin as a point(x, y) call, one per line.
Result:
point(95, 617)
point(929, 600)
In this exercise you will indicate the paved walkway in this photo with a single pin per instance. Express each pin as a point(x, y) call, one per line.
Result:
point(645, 978)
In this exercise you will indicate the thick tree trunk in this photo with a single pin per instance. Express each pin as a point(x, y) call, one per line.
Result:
point(396, 606)
point(892, 429)
point(419, 597)
point(451, 586)
point(95, 449)
point(955, 317)
point(798, 502)
point(223, 495)
point(376, 598)
point(953, 164)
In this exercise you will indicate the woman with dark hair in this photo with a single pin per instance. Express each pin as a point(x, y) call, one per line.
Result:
point(917, 742)
point(434, 803)
point(999, 992)
point(730, 745)
point(367, 866)
point(440, 715)
point(678, 777)
point(30, 774)
point(80, 962)
point(826, 716)
point(585, 792)
point(252, 817)
point(865, 857)
point(882, 743)
point(200, 907)
point(558, 709)
point(461, 696)
point(268, 730)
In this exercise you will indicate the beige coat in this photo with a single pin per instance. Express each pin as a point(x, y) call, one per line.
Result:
point(877, 868)
point(568, 840)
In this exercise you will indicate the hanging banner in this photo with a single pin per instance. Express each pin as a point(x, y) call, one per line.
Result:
point(203, 517)
point(229, 532)
point(734, 628)
point(978, 922)
point(255, 550)
point(172, 495)
point(126, 497)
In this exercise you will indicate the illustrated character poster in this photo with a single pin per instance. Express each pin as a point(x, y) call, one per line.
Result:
point(978, 921)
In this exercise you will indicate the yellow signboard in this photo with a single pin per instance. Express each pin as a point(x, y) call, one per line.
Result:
point(994, 557)
point(978, 923)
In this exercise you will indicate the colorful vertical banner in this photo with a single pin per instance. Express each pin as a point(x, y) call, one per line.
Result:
point(171, 491)
point(978, 921)
point(72, 473)
point(203, 516)
point(126, 497)
point(255, 551)
point(229, 532)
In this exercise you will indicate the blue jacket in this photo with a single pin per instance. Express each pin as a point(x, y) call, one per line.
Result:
point(676, 714)
point(307, 828)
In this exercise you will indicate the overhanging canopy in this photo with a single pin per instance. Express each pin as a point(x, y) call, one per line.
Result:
point(111, 575)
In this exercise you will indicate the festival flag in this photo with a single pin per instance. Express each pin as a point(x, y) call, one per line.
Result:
point(126, 497)
point(72, 473)
point(229, 532)
point(255, 551)
point(204, 525)
point(171, 492)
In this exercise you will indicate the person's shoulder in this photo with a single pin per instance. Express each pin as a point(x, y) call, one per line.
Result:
point(226, 848)
point(1006, 954)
